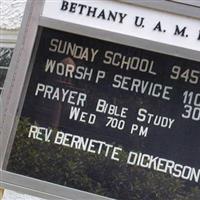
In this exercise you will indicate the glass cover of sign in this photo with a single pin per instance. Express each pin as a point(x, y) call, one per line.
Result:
point(110, 119)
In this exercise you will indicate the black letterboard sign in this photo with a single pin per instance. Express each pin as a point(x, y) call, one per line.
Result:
point(110, 119)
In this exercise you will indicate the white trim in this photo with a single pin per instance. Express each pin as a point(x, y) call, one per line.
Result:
point(4, 67)
point(7, 45)
point(8, 38)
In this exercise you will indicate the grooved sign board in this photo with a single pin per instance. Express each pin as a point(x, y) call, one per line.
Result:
point(103, 119)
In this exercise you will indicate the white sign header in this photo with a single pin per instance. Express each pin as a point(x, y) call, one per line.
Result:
point(129, 20)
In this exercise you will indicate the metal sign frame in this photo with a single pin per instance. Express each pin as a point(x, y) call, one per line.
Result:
point(16, 83)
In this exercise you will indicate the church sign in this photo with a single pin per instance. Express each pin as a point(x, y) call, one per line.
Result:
point(94, 112)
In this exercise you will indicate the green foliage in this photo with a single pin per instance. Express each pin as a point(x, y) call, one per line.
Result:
point(93, 173)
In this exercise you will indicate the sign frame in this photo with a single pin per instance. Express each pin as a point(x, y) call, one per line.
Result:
point(16, 83)
point(170, 6)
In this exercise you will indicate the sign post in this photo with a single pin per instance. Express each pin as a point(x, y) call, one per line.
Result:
point(103, 103)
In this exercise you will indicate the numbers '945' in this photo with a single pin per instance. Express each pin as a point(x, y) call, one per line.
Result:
point(187, 75)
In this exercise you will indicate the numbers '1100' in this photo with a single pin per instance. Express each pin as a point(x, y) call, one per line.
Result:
point(191, 102)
